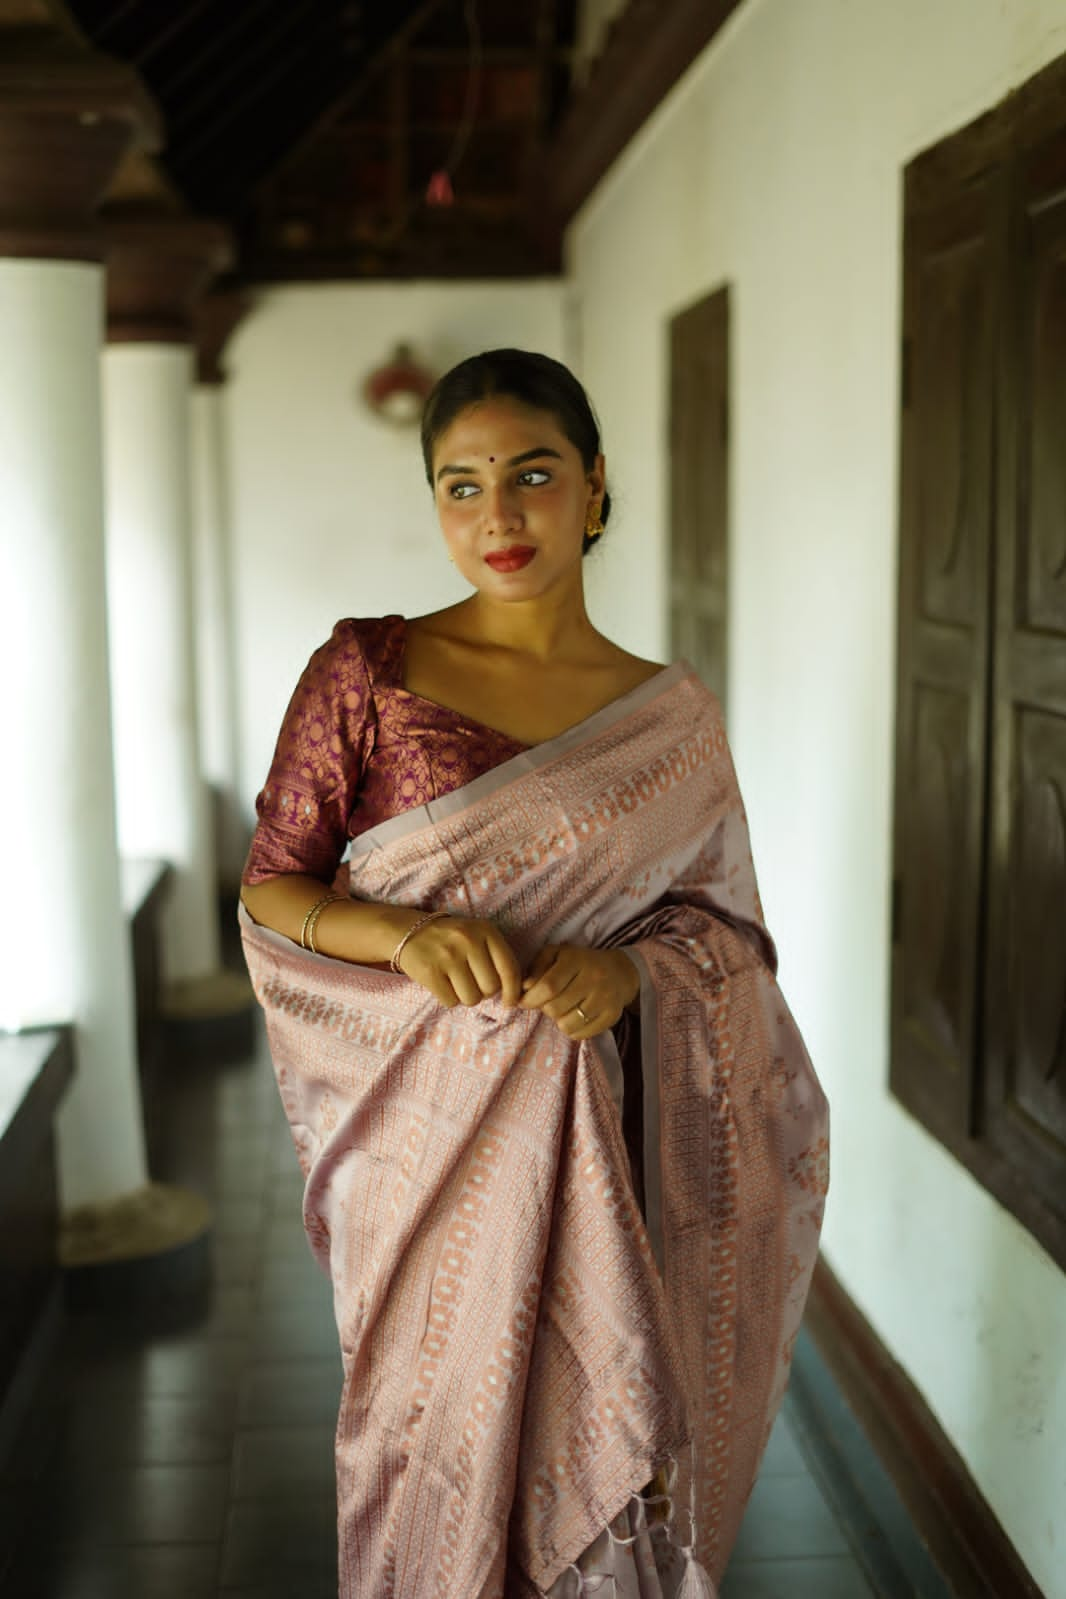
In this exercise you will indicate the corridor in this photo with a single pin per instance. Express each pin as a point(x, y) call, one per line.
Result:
point(183, 1461)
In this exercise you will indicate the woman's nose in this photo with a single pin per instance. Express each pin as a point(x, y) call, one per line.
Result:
point(501, 507)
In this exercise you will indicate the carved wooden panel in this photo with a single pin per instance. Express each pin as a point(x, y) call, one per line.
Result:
point(936, 916)
point(943, 661)
point(1042, 552)
point(1024, 1102)
point(1036, 887)
point(699, 487)
point(950, 441)
point(979, 904)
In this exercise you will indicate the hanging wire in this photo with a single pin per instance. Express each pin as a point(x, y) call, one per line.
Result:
point(438, 190)
point(473, 88)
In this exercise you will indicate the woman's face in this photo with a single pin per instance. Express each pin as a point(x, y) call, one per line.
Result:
point(512, 495)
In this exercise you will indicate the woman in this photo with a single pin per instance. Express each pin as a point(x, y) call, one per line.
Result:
point(565, 1152)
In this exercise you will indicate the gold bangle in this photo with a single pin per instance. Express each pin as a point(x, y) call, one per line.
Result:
point(307, 931)
point(333, 900)
point(307, 918)
point(416, 927)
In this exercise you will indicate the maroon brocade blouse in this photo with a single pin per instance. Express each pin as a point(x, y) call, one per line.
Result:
point(356, 748)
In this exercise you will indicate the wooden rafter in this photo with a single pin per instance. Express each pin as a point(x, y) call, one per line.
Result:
point(648, 48)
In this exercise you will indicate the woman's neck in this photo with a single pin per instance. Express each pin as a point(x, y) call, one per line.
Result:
point(543, 628)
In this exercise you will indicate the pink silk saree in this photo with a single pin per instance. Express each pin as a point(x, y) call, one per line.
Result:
point(523, 1351)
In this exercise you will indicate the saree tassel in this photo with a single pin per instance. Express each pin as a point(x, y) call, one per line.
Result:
point(695, 1584)
point(590, 1582)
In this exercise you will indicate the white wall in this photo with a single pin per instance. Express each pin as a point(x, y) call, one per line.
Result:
point(776, 165)
point(331, 513)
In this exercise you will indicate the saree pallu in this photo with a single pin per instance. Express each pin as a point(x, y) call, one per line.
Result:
point(524, 1350)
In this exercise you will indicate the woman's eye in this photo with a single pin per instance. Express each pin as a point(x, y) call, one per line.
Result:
point(462, 491)
point(534, 477)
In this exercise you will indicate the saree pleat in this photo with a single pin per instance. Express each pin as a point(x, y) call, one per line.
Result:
point(523, 1349)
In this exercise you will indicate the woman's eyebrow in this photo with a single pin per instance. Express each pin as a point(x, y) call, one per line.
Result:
point(540, 450)
point(533, 455)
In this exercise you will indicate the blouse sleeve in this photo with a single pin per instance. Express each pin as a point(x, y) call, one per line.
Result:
point(324, 743)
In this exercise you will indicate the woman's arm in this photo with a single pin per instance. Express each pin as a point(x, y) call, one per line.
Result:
point(460, 960)
point(348, 929)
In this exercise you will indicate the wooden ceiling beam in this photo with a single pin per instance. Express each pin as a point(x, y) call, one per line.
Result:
point(492, 56)
point(648, 48)
point(538, 222)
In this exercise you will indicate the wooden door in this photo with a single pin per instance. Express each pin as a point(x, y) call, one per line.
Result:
point(951, 289)
point(979, 912)
point(1025, 987)
point(699, 487)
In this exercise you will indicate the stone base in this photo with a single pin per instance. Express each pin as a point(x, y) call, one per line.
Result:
point(211, 1016)
point(142, 1250)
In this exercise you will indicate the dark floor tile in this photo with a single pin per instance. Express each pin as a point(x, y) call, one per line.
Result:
point(285, 1241)
point(295, 1332)
point(169, 1571)
point(291, 1393)
point(228, 1313)
point(12, 1521)
point(287, 1587)
point(787, 1518)
point(836, 1577)
point(289, 1556)
point(236, 1262)
point(284, 1462)
point(222, 1178)
point(222, 1312)
point(244, 1105)
point(96, 1343)
point(243, 1216)
point(284, 1202)
point(186, 1133)
point(294, 1280)
point(191, 1368)
point(287, 1183)
point(94, 1506)
point(148, 1429)
point(36, 1441)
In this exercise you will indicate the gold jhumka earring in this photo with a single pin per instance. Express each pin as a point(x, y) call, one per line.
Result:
point(593, 524)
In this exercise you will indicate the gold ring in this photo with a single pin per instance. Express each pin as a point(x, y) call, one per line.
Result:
point(581, 1013)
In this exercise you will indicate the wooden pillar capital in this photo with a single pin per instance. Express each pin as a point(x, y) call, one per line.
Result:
point(158, 268)
point(67, 117)
point(215, 319)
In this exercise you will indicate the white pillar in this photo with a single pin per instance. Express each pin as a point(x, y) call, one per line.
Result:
point(213, 608)
point(65, 943)
point(162, 803)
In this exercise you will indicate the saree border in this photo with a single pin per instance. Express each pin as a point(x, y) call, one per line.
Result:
point(525, 762)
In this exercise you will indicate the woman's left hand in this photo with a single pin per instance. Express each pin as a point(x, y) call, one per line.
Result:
point(584, 991)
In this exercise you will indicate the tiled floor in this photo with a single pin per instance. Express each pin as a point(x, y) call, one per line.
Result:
point(188, 1462)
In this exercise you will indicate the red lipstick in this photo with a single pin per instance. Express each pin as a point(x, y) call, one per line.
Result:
point(512, 559)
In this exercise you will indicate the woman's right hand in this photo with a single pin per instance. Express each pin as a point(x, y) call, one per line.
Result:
point(462, 961)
